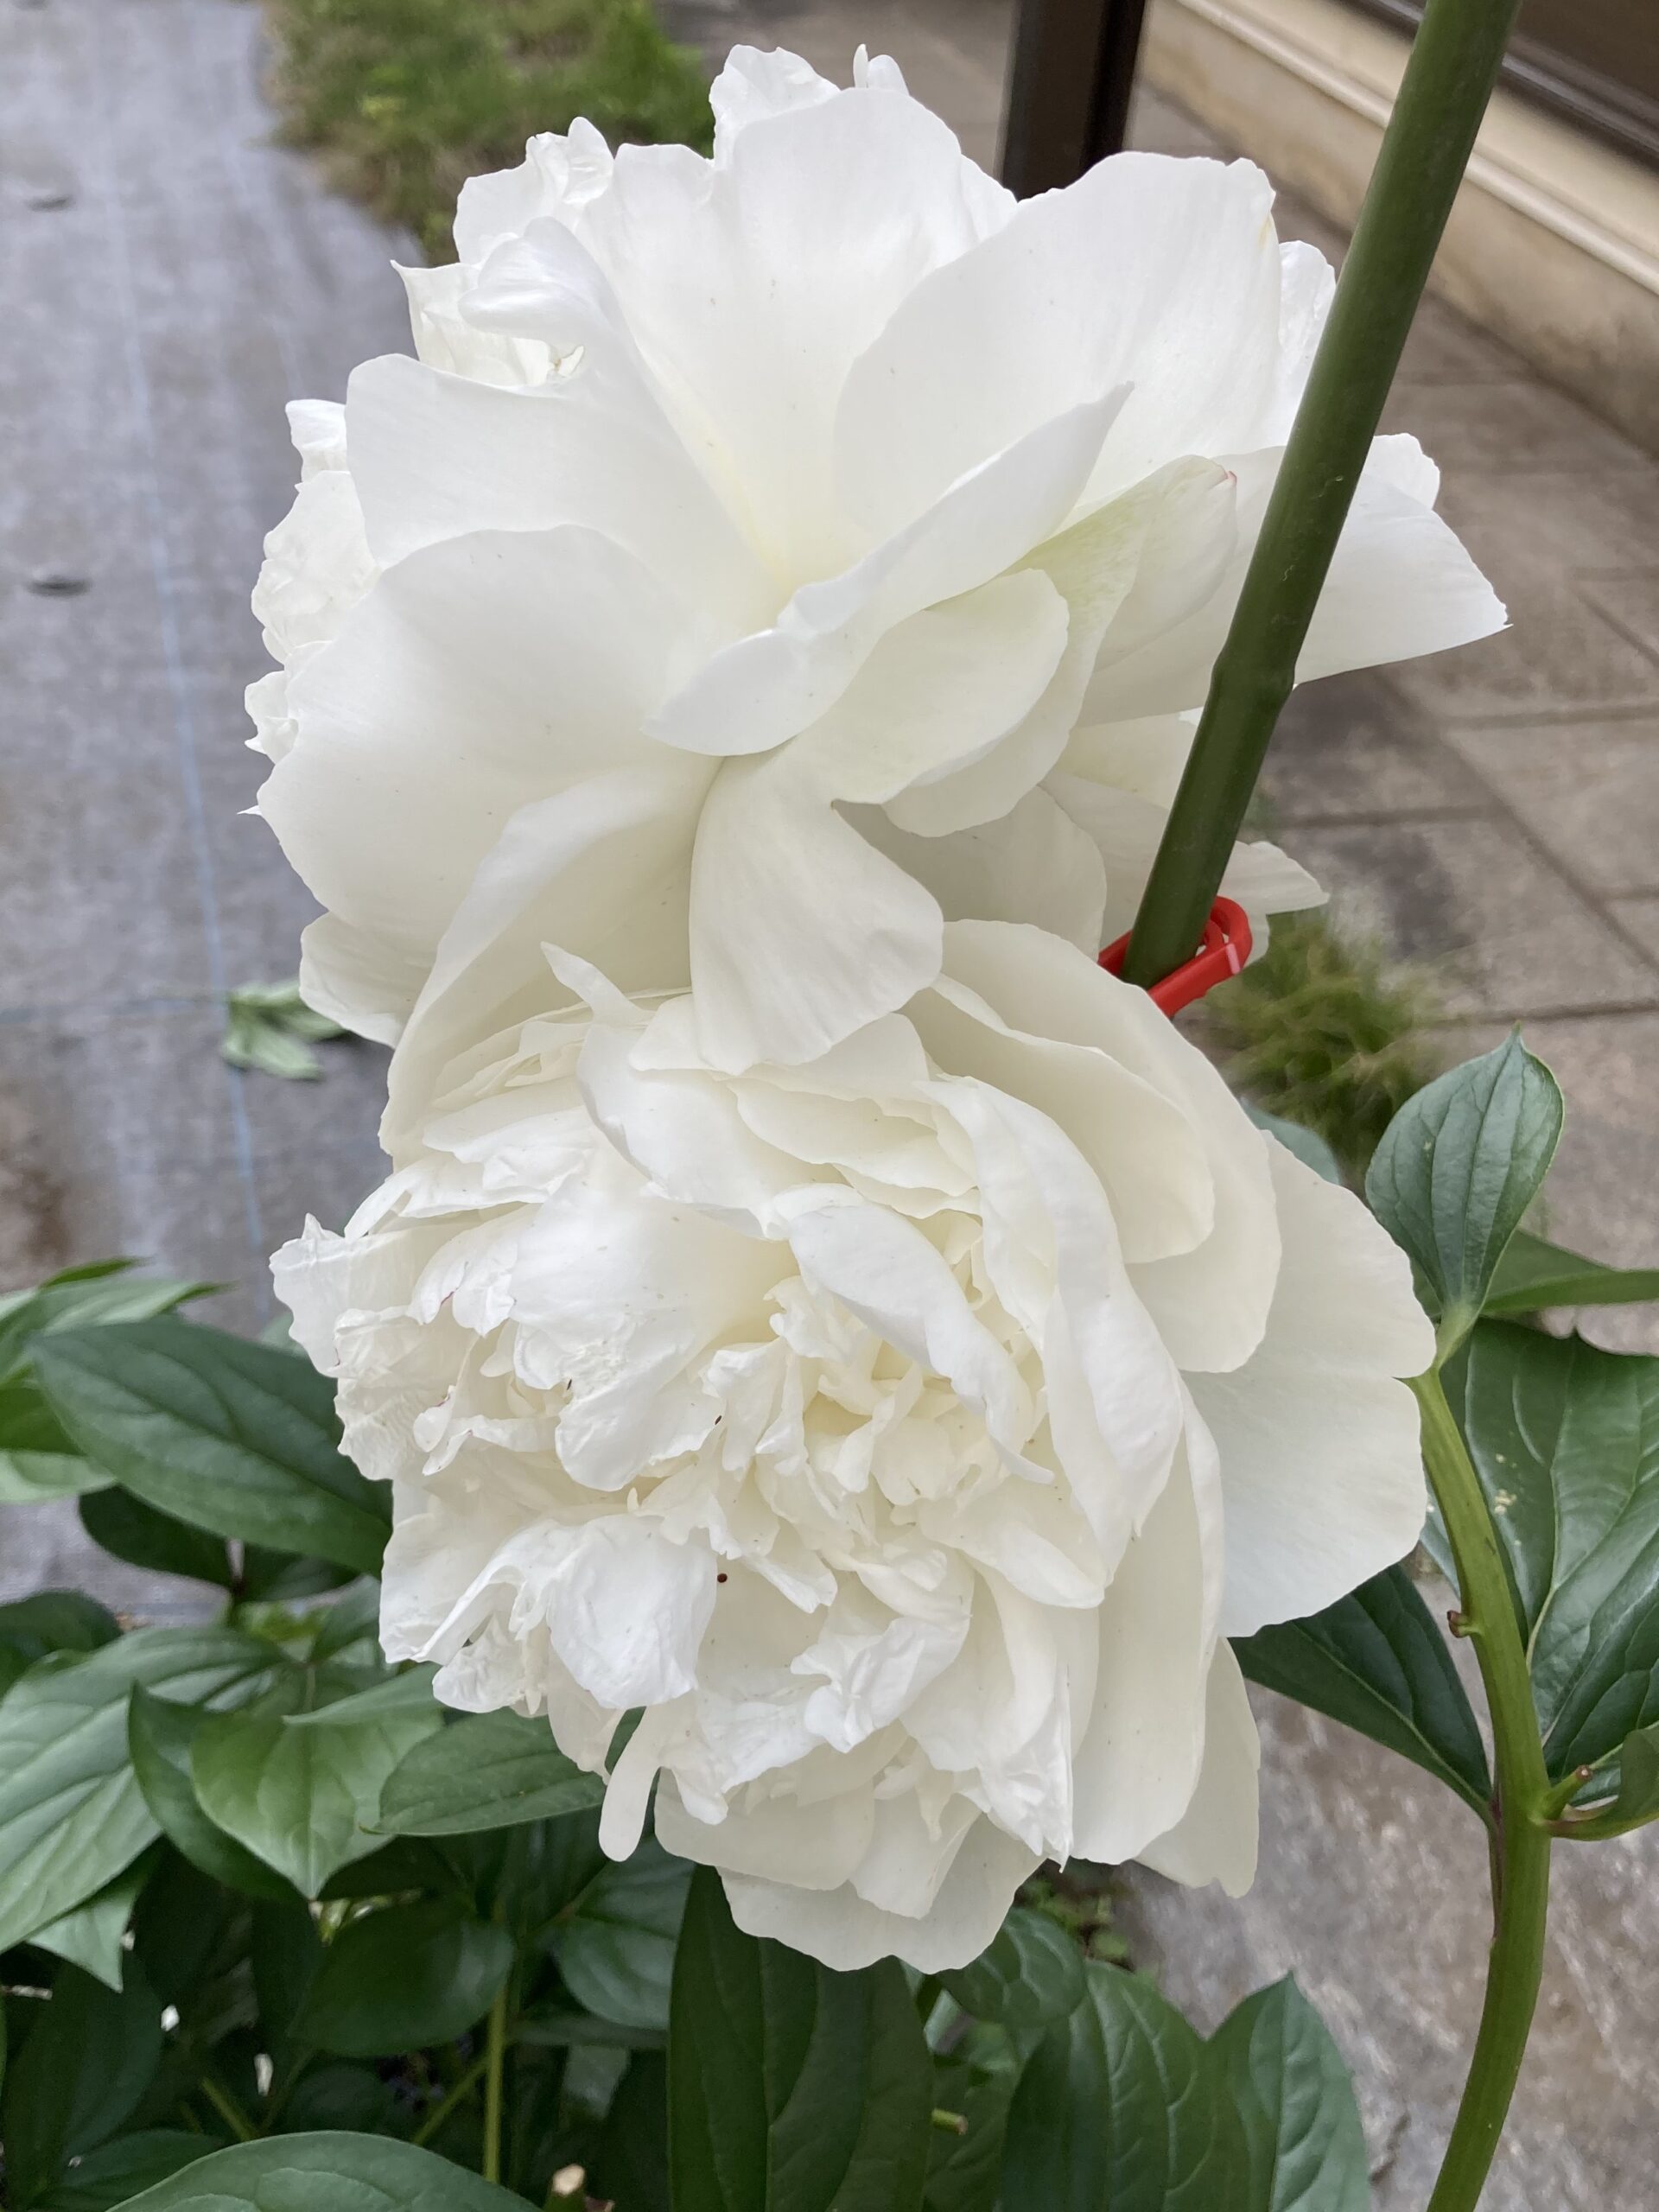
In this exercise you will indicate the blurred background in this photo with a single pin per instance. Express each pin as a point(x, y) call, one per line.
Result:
point(200, 204)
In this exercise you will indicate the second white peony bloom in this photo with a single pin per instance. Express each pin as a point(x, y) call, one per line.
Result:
point(813, 535)
point(902, 1433)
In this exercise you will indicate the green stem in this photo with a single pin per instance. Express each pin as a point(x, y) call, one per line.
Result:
point(464, 2083)
point(1521, 1848)
point(495, 2061)
point(228, 2110)
point(1448, 79)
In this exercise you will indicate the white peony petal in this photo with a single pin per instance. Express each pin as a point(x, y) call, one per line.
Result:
point(1138, 1763)
point(1322, 1464)
point(815, 1846)
point(754, 694)
point(1400, 586)
point(750, 336)
point(801, 932)
point(601, 869)
point(424, 726)
point(1215, 1840)
point(885, 1271)
point(436, 455)
point(626, 1610)
point(1157, 273)
point(838, 1928)
point(1035, 865)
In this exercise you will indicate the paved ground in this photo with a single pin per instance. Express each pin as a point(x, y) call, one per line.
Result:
point(1495, 814)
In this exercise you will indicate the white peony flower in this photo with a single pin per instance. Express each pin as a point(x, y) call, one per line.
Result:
point(771, 559)
point(901, 1432)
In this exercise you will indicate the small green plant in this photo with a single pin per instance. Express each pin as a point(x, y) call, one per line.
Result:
point(270, 1027)
point(408, 98)
point(1320, 1030)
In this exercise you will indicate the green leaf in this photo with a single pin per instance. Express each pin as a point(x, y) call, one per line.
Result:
point(977, 2080)
point(1032, 1975)
point(284, 1953)
point(299, 1797)
point(55, 1620)
point(403, 1979)
point(354, 1617)
point(270, 1027)
point(1565, 1439)
point(1457, 1168)
point(1376, 1661)
point(616, 1948)
point(556, 2027)
point(125, 1527)
point(1309, 1148)
point(231, 1437)
point(106, 1292)
point(1304, 2148)
point(630, 2164)
point(91, 1936)
point(324, 2173)
point(107, 2177)
point(792, 2089)
point(110, 2175)
point(38, 1460)
point(160, 1734)
point(1637, 1800)
point(72, 1814)
point(85, 2063)
point(405, 1695)
point(489, 1770)
point(1119, 2106)
point(338, 2095)
point(1534, 1274)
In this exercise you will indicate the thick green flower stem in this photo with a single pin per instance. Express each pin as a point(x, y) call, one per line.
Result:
point(1454, 63)
point(495, 2052)
point(1521, 1807)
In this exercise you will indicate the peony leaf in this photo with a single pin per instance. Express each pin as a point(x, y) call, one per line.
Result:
point(1534, 1274)
point(404, 1978)
point(488, 1771)
point(1376, 1661)
point(1124, 2104)
point(1565, 1439)
point(301, 1796)
point(55, 1620)
point(1120, 2106)
point(159, 1737)
point(1308, 1146)
point(1637, 1801)
point(108, 2176)
point(1458, 1167)
point(631, 2158)
point(127, 1529)
point(1032, 1975)
point(1304, 2146)
point(72, 1814)
point(976, 2082)
point(792, 2089)
point(91, 1936)
point(229, 1436)
point(324, 2173)
point(85, 2062)
point(104, 1293)
point(616, 1945)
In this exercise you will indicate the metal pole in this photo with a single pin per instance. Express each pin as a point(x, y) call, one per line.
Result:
point(1069, 89)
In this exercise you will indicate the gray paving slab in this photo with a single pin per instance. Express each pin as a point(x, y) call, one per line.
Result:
point(194, 279)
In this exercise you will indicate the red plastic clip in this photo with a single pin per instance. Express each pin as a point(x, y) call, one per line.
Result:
point(1225, 949)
